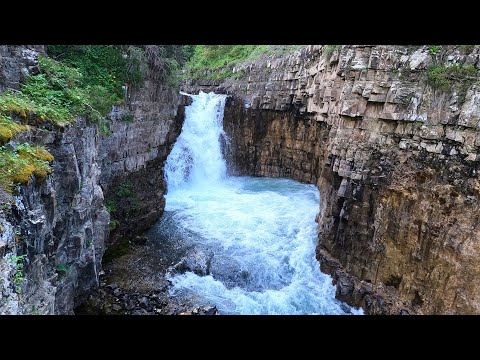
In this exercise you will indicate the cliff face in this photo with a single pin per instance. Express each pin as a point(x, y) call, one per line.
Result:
point(132, 156)
point(62, 224)
point(395, 159)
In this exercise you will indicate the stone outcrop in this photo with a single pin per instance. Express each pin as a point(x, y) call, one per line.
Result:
point(132, 156)
point(62, 225)
point(16, 62)
point(396, 161)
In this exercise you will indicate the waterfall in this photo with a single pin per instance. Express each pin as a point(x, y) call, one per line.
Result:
point(196, 157)
point(253, 238)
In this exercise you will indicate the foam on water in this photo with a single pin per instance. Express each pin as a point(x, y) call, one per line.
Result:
point(262, 230)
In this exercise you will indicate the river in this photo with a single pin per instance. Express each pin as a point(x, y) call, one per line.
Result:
point(256, 235)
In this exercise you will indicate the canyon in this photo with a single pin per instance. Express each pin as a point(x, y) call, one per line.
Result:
point(394, 157)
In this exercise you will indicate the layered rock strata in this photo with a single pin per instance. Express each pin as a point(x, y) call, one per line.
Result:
point(61, 225)
point(396, 160)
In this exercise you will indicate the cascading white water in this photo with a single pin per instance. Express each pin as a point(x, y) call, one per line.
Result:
point(261, 231)
point(196, 157)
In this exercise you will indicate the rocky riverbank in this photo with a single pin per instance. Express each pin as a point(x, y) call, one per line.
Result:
point(135, 277)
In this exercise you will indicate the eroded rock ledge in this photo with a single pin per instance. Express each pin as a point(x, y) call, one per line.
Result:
point(396, 162)
point(62, 224)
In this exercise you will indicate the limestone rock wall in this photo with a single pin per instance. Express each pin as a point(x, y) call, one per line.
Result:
point(16, 62)
point(134, 153)
point(396, 162)
point(62, 225)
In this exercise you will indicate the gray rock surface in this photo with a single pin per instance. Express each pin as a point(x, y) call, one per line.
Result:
point(62, 225)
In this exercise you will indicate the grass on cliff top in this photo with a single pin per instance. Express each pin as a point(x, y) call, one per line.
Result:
point(216, 57)
point(58, 94)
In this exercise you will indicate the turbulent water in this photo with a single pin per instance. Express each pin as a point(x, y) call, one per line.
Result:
point(258, 234)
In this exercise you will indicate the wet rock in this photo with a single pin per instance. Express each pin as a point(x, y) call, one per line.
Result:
point(197, 261)
point(140, 240)
point(208, 310)
point(145, 303)
point(346, 308)
point(140, 312)
point(344, 287)
point(230, 273)
point(112, 286)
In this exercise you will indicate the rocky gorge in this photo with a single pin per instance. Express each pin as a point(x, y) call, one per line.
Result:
point(389, 137)
point(395, 159)
point(62, 224)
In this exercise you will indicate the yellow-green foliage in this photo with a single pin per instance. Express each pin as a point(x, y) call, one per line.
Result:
point(38, 157)
point(19, 166)
point(214, 57)
point(8, 129)
point(57, 94)
point(15, 103)
point(42, 154)
point(22, 173)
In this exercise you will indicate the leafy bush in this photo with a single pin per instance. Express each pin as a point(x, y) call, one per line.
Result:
point(127, 117)
point(124, 190)
point(113, 224)
point(112, 66)
point(79, 80)
point(18, 276)
point(58, 94)
point(101, 65)
point(446, 78)
point(111, 206)
point(62, 270)
point(433, 50)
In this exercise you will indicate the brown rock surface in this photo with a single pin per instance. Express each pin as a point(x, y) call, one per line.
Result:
point(396, 162)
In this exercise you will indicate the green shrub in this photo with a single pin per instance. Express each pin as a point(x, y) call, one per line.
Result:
point(18, 276)
point(79, 80)
point(113, 224)
point(433, 50)
point(111, 206)
point(112, 66)
point(59, 93)
point(101, 65)
point(124, 190)
point(127, 117)
point(452, 77)
point(62, 270)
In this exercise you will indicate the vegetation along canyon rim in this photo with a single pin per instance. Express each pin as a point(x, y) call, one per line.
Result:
point(347, 175)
